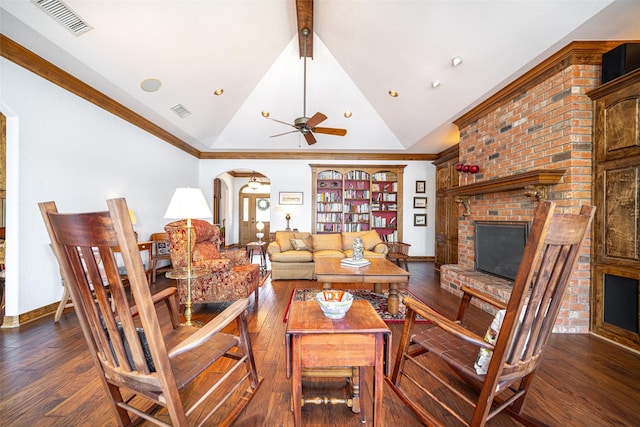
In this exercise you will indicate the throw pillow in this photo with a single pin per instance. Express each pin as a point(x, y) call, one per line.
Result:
point(370, 239)
point(299, 245)
point(484, 355)
point(283, 238)
point(331, 241)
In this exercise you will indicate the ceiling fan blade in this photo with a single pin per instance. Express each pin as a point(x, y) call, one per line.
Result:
point(280, 121)
point(316, 119)
point(331, 131)
point(310, 138)
point(285, 133)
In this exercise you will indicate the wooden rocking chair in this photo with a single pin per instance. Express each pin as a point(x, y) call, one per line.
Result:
point(548, 260)
point(142, 369)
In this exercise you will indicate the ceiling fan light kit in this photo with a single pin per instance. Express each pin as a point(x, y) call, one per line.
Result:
point(307, 125)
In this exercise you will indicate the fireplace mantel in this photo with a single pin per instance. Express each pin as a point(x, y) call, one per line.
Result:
point(534, 183)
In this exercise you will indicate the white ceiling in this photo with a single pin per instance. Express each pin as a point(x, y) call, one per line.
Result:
point(362, 49)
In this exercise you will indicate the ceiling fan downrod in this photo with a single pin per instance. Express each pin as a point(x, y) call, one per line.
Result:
point(305, 34)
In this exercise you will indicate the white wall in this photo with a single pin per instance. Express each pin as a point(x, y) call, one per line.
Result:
point(65, 149)
point(295, 176)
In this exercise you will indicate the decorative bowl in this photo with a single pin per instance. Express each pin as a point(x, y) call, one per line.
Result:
point(334, 304)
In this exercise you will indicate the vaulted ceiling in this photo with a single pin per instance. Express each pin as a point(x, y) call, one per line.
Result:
point(362, 49)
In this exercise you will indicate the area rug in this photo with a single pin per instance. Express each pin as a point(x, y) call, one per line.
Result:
point(264, 275)
point(378, 301)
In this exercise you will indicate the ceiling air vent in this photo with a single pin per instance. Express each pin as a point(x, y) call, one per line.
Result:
point(64, 15)
point(181, 111)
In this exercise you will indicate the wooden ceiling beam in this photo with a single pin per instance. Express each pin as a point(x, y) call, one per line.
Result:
point(304, 12)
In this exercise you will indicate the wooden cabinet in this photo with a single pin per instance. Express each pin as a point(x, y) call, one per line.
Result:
point(358, 198)
point(446, 223)
point(615, 292)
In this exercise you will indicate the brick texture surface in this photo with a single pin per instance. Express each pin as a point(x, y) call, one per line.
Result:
point(546, 127)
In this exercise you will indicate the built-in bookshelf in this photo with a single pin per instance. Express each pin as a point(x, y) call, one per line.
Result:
point(384, 204)
point(328, 202)
point(358, 198)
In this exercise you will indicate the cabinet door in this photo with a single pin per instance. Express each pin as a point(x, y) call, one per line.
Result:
point(615, 312)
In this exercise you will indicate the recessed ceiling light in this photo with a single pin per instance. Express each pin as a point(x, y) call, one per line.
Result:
point(456, 60)
point(265, 113)
point(219, 92)
point(393, 93)
point(435, 84)
point(348, 114)
point(150, 85)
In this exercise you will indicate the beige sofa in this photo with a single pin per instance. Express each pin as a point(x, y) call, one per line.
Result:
point(292, 254)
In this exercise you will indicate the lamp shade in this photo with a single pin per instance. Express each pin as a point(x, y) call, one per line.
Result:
point(132, 215)
point(188, 203)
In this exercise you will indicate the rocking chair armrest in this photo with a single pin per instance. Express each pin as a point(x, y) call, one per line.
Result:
point(451, 326)
point(468, 293)
point(484, 297)
point(164, 294)
point(211, 328)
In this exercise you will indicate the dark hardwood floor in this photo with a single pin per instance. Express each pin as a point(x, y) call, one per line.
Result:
point(48, 379)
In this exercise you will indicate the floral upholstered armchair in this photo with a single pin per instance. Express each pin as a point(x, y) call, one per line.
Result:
point(232, 275)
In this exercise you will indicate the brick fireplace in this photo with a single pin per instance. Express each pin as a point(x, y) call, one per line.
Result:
point(540, 123)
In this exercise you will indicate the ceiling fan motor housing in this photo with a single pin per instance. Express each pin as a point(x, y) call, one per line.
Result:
point(301, 124)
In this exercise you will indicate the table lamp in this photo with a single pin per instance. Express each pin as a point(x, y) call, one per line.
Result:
point(134, 221)
point(188, 203)
point(260, 234)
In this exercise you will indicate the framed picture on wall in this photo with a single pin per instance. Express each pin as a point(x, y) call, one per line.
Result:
point(291, 198)
point(420, 187)
point(419, 202)
point(420, 220)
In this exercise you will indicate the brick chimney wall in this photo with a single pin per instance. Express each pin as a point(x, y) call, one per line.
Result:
point(547, 126)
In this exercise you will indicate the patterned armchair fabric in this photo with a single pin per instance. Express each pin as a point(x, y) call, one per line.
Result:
point(232, 275)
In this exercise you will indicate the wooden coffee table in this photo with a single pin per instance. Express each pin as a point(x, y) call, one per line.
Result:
point(320, 347)
point(381, 270)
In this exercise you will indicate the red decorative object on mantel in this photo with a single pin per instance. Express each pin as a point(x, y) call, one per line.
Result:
point(467, 168)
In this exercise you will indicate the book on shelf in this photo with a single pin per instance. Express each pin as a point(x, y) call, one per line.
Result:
point(350, 262)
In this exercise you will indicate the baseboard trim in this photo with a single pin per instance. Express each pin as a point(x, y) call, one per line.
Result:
point(29, 316)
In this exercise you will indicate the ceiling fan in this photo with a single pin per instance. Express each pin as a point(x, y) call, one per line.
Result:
point(308, 125)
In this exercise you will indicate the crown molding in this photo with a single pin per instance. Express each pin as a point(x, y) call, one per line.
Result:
point(299, 155)
point(575, 53)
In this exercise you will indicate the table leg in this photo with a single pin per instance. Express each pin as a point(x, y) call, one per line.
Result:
point(326, 285)
point(296, 381)
point(378, 382)
point(393, 302)
point(363, 386)
point(355, 387)
point(264, 258)
point(377, 288)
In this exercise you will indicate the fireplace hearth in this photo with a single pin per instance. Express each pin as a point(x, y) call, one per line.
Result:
point(499, 246)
